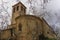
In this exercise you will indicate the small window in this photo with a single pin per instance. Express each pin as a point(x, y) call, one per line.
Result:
point(24, 10)
point(48, 32)
point(13, 10)
point(21, 8)
point(17, 8)
point(20, 27)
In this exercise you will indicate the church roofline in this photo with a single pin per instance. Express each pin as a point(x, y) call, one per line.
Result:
point(28, 16)
point(19, 3)
point(48, 25)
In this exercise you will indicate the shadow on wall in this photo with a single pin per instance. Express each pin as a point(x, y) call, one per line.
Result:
point(42, 37)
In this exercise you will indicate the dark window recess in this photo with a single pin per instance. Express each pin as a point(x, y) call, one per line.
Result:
point(13, 10)
point(24, 10)
point(10, 39)
point(17, 8)
point(20, 27)
point(11, 32)
point(42, 37)
point(48, 32)
point(21, 8)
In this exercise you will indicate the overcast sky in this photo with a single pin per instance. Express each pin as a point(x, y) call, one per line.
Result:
point(52, 7)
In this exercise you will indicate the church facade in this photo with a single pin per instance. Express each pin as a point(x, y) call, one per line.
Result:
point(27, 27)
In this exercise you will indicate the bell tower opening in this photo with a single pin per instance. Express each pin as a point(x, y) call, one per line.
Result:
point(18, 10)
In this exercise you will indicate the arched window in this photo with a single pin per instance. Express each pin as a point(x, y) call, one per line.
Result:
point(13, 9)
point(24, 11)
point(17, 8)
point(20, 27)
point(22, 8)
point(48, 32)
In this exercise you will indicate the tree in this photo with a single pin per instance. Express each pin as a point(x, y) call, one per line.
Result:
point(37, 7)
point(4, 10)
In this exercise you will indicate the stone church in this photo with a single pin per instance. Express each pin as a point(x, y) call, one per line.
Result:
point(26, 27)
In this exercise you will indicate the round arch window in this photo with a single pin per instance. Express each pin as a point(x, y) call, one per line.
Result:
point(20, 27)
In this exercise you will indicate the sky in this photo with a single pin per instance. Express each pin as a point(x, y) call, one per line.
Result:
point(52, 7)
point(53, 14)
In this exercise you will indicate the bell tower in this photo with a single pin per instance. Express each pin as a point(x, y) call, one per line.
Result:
point(17, 10)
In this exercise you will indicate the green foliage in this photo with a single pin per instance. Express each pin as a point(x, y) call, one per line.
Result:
point(46, 38)
point(50, 39)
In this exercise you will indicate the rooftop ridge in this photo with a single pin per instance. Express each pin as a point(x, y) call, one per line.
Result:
point(19, 3)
